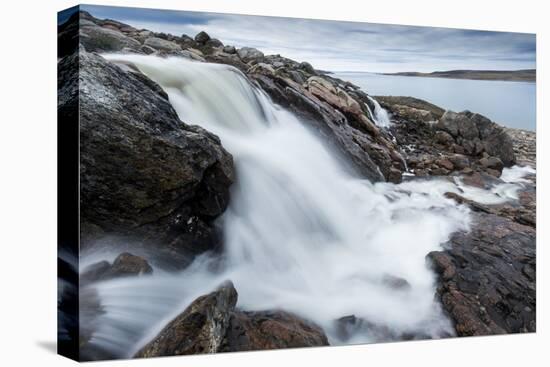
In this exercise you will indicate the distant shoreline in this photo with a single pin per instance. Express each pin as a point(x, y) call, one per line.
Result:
point(528, 75)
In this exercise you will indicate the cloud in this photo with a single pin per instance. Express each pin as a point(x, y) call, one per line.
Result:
point(345, 46)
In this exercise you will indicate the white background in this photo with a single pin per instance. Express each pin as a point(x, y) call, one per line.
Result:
point(28, 182)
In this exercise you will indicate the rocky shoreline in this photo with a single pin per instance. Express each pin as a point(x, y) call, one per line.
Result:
point(486, 276)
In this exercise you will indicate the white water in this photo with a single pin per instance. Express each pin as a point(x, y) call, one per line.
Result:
point(300, 233)
point(380, 115)
point(498, 100)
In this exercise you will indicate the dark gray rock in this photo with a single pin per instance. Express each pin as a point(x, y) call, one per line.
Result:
point(202, 37)
point(396, 283)
point(144, 173)
point(213, 42)
point(306, 66)
point(478, 134)
point(94, 272)
point(68, 35)
point(348, 326)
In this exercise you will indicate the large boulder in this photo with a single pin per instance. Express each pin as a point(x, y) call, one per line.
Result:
point(347, 327)
point(271, 330)
point(212, 324)
point(143, 172)
point(202, 37)
point(487, 276)
point(162, 44)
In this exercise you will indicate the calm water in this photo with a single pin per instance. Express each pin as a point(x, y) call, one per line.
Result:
point(511, 104)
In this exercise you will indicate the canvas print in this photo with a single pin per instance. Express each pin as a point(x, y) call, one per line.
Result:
point(235, 183)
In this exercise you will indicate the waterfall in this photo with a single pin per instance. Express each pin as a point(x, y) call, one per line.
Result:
point(300, 233)
point(380, 116)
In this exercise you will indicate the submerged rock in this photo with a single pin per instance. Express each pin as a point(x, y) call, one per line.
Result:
point(347, 327)
point(124, 265)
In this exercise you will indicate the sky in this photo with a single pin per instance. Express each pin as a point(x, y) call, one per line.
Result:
point(344, 46)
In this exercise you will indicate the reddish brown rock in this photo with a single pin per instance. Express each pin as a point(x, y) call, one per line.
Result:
point(487, 277)
point(445, 163)
point(199, 329)
point(271, 330)
point(212, 324)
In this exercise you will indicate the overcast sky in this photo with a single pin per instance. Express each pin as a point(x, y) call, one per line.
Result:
point(344, 46)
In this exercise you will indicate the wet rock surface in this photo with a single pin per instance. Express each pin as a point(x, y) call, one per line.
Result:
point(124, 265)
point(487, 277)
point(260, 330)
point(143, 171)
point(212, 324)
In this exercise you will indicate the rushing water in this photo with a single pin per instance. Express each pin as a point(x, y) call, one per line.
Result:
point(511, 104)
point(380, 116)
point(300, 233)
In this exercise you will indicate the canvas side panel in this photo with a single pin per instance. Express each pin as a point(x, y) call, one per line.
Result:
point(68, 185)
